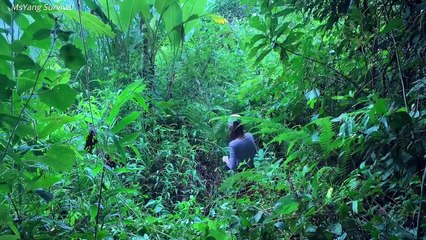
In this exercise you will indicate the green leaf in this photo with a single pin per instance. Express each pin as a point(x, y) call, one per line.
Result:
point(53, 124)
point(381, 106)
point(24, 84)
point(72, 56)
point(4, 46)
point(43, 182)
point(141, 101)
point(286, 205)
point(258, 23)
point(125, 121)
point(128, 93)
point(392, 24)
point(22, 61)
point(217, 234)
point(61, 97)
point(59, 157)
point(256, 38)
point(128, 11)
point(162, 5)
point(90, 22)
point(261, 57)
point(190, 9)
point(5, 188)
point(42, 34)
point(172, 18)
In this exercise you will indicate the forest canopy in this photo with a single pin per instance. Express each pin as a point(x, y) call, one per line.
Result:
point(114, 119)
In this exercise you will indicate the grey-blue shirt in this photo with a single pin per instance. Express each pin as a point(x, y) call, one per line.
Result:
point(241, 150)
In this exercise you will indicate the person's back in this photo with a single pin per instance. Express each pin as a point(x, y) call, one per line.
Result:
point(242, 149)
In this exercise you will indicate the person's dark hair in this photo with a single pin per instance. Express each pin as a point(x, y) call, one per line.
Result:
point(237, 130)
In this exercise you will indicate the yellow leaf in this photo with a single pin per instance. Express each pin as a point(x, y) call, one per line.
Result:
point(218, 19)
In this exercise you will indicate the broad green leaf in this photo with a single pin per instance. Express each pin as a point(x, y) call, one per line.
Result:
point(392, 24)
point(59, 157)
point(42, 34)
point(24, 84)
point(90, 23)
point(381, 106)
point(35, 34)
point(162, 5)
point(258, 23)
point(53, 124)
point(5, 188)
point(172, 18)
point(61, 97)
point(43, 182)
point(125, 121)
point(72, 56)
point(217, 234)
point(192, 8)
point(128, 11)
point(286, 205)
point(23, 61)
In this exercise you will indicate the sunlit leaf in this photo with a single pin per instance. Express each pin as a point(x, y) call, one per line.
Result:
point(172, 18)
point(90, 22)
point(128, 11)
point(191, 9)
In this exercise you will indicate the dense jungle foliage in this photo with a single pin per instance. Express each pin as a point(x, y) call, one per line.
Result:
point(113, 119)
